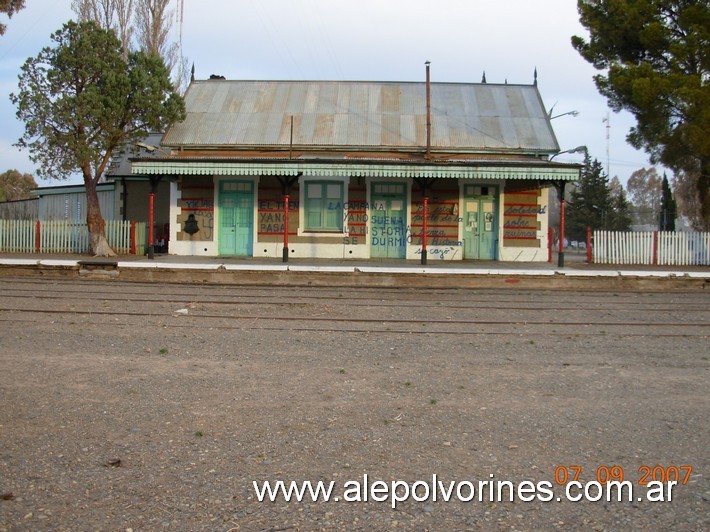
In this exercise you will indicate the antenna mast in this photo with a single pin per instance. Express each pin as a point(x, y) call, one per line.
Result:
point(608, 127)
point(181, 17)
point(428, 112)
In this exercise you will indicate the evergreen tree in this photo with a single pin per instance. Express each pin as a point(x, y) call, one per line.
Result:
point(10, 7)
point(668, 214)
point(596, 202)
point(80, 101)
point(590, 203)
point(654, 59)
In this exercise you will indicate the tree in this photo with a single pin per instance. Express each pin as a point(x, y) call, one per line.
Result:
point(686, 197)
point(656, 54)
point(15, 185)
point(589, 203)
point(619, 216)
point(80, 101)
point(644, 188)
point(108, 14)
point(668, 211)
point(596, 202)
point(10, 7)
point(153, 22)
point(139, 24)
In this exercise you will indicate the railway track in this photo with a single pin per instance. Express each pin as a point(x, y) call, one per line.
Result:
point(463, 312)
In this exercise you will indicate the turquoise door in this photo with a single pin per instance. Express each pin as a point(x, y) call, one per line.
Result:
point(480, 222)
point(236, 218)
point(388, 221)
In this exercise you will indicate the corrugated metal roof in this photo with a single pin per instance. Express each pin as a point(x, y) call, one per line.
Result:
point(342, 114)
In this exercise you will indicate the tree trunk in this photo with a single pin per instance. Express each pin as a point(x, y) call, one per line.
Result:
point(95, 222)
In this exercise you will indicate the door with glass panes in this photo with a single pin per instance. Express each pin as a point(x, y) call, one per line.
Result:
point(236, 218)
point(388, 221)
point(480, 222)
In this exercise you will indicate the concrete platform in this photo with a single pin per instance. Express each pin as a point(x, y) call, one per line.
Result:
point(314, 272)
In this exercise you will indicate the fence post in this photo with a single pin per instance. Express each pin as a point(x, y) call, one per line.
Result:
point(38, 238)
point(133, 237)
point(589, 245)
point(655, 247)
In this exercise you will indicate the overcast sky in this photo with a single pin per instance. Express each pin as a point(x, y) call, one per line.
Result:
point(368, 40)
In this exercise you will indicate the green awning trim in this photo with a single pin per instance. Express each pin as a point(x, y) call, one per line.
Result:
point(316, 169)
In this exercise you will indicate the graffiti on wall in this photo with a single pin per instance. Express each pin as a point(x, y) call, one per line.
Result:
point(271, 218)
point(360, 220)
point(520, 218)
point(195, 201)
point(442, 224)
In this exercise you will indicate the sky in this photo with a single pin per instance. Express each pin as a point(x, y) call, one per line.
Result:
point(368, 40)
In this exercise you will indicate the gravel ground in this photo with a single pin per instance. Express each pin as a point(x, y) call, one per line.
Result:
point(121, 413)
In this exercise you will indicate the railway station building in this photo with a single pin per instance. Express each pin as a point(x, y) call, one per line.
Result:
point(361, 170)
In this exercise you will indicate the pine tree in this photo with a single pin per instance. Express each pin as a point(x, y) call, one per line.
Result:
point(80, 101)
point(590, 203)
point(667, 215)
point(654, 62)
point(10, 7)
point(597, 202)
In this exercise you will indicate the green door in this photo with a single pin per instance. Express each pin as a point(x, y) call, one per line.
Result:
point(388, 221)
point(236, 218)
point(480, 222)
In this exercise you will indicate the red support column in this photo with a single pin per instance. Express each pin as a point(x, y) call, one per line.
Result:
point(151, 247)
point(285, 250)
point(424, 228)
point(655, 247)
point(133, 237)
point(38, 237)
point(589, 245)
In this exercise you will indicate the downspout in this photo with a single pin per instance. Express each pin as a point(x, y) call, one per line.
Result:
point(151, 214)
point(125, 198)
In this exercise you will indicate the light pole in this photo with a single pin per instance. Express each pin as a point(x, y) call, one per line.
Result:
point(571, 113)
point(152, 149)
point(578, 149)
point(561, 190)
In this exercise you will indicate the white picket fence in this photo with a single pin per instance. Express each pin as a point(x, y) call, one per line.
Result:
point(654, 247)
point(62, 236)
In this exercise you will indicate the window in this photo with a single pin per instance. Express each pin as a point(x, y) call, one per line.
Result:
point(238, 186)
point(323, 206)
point(388, 188)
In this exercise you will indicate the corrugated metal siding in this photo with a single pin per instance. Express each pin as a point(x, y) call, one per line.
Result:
point(72, 206)
point(362, 114)
point(19, 209)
